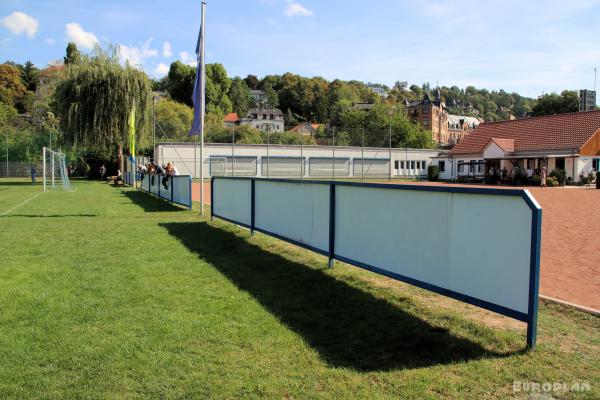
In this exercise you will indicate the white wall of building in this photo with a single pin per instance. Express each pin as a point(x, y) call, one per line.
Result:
point(405, 162)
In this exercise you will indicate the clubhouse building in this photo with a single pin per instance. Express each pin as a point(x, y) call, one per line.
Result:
point(566, 141)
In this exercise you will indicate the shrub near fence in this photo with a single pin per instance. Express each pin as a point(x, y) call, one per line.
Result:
point(449, 240)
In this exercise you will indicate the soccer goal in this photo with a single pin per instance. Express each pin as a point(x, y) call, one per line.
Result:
point(55, 170)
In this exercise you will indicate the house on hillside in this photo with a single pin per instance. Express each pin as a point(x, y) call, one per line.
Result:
point(258, 97)
point(431, 114)
point(570, 142)
point(264, 119)
point(231, 120)
point(460, 126)
point(306, 129)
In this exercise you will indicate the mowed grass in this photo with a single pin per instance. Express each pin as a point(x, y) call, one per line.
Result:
point(106, 292)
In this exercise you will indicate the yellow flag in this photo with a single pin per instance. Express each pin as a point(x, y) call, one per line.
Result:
point(131, 124)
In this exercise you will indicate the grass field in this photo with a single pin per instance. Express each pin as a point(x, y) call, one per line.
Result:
point(106, 292)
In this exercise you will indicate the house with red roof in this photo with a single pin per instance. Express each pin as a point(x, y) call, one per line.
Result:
point(570, 142)
point(231, 120)
point(306, 129)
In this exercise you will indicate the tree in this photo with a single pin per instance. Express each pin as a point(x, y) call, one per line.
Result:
point(272, 96)
point(95, 100)
point(252, 81)
point(173, 119)
point(30, 76)
point(7, 114)
point(239, 94)
point(180, 82)
point(12, 88)
point(550, 104)
point(73, 56)
point(217, 89)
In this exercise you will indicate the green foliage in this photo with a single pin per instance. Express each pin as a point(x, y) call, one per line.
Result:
point(73, 55)
point(551, 182)
point(536, 180)
point(12, 88)
point(239, 94)
point(560, 176)
point(550, 104)
point(252, 81)
point(30, 76)
point(433, 172)
point(95, 99)
point(180, 82)
point(7, 114)
point(173, 119)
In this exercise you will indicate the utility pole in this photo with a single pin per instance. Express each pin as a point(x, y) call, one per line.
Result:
point(390, 145)
point(154, 129)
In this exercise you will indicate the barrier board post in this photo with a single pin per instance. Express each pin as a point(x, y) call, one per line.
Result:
point(252, 201)
point(534, 279)
point(331, 225)
point(212, 203)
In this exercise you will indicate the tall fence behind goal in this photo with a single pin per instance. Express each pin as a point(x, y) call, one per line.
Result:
point(55, 170)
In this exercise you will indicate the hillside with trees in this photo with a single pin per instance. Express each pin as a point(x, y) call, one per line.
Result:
point(82, 104)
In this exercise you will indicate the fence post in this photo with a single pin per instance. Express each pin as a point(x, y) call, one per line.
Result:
point(190, 190)
point(212, 198)
point(252, 208)
point(331, 225)
point(172, 184)
point(534, 279)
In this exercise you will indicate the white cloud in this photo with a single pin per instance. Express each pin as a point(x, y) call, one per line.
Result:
point(50, 41)
point(161, 70)
point(167, 50)
point(136, 55)
point(297, 10)
point(188, 58)
point(18, 23)
point(75, 33)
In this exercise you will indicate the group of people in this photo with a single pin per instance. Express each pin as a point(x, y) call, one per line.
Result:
point(153, 169)
point(517, 176)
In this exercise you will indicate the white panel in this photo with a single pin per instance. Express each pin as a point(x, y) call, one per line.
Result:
point(324, 166)
point(371, 167)
point(296, 211)
point(181, 190)
point(471, 244)
point(232, 199)
point(282, 166)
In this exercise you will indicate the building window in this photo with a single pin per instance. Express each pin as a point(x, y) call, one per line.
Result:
point(560, 163)
point(401, 164)
point(396, 164)
point(596, 164)
point(412, 165)
point(442, 165)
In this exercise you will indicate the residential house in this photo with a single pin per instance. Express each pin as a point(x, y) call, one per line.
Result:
point(460, 126)
point(264, 119)
point(431, 114)
point(306, 129)
point(231, 120)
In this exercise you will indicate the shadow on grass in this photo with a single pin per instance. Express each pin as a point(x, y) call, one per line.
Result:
point(148, 202)
point(347, 326)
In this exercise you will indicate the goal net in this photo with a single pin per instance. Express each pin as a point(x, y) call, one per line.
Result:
point(55, 170)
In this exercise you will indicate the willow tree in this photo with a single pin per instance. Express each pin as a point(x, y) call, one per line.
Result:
point(95, 100)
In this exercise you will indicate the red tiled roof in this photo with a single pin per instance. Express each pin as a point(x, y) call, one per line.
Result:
point(508, 145)
point(231, 117)
point(552, 132)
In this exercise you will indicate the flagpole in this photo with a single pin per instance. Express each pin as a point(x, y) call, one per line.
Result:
point(202, 111)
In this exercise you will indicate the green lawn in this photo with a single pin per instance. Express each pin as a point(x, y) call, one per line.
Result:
point(106, 292)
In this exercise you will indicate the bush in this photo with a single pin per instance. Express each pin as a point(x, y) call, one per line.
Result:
point(433, 172)
point(551, 182)
point(536, 180)
point(560, 176)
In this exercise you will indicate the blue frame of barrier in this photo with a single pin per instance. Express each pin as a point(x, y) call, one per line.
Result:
point(534, 263)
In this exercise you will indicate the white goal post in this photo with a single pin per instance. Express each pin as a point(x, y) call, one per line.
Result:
point(55, 170)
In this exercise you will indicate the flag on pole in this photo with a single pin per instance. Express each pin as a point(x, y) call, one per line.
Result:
point(131, 124)
point(198, 97)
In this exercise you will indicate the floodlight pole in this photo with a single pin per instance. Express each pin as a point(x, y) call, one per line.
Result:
point(203, 110)
point(154, 129)
point(232, 151)
point(390, 146)
point(333, 154)
point(6, 135)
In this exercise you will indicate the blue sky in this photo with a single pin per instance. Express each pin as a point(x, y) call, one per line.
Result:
point(527, 46)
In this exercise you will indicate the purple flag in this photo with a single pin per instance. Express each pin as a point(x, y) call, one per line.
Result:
point(198, 97)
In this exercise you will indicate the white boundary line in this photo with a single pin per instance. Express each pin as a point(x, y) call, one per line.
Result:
point(20, 204)
point(573, 305)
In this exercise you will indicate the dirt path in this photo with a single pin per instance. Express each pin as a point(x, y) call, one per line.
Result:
point(570, 262)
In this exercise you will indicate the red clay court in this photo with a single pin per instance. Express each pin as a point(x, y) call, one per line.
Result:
point(570, 262)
